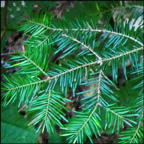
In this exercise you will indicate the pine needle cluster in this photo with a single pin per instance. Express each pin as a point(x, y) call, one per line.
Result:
point(90, 48)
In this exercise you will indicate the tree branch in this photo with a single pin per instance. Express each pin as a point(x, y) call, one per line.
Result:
point(78, 67)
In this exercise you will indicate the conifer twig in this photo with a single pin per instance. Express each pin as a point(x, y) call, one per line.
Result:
point(90, 49)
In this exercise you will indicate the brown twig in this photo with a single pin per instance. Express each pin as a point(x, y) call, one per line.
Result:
point(2, 35)
point(9, 53)
point(5, 19)
point(5, 13)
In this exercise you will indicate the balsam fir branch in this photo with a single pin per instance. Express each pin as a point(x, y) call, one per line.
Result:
point(90, 52)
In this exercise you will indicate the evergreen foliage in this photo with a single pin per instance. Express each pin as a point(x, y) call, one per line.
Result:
point(89, 53)
point(13, 13)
